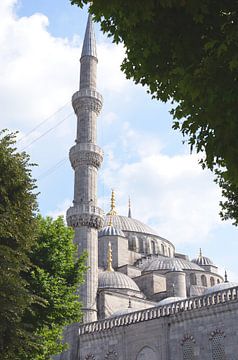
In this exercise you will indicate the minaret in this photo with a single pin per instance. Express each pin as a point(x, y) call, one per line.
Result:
point(86, 157)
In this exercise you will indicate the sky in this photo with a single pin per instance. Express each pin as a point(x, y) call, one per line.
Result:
point(144, 158)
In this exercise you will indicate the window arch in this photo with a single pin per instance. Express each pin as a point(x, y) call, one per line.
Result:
point(153, 247)
point(204, 280)
point(218, 281)
point(111, 355)
point(162, 249)
point(193, 279)
point(169, 252)
point(218, 345)
point(188, 347)
point(212, 281)
point(146, 353)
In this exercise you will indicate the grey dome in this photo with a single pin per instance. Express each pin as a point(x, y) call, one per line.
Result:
point(165, 263)
point(220, 287)
point(170, 300)
point(202, 260)
point(116, 280)
point(125, 223)
point(110, 231)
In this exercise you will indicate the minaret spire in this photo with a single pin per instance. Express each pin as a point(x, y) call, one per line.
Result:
point(129, 207)
point(86, 157)
point(89, 43)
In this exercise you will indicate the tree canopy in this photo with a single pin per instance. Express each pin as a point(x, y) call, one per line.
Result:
point(39, 269)
point(17, 236)
point(54, 277)
point(186, 52)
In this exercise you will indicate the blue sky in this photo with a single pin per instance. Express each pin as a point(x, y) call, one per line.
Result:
point(144, 158)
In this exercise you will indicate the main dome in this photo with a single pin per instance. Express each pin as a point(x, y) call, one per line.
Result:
point(125, 223)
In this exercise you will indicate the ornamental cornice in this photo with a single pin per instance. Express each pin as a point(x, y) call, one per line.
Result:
point(86, 154)
point(85, 215)
point(87, 100)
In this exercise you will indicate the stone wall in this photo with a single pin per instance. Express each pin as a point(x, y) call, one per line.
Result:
point(202, 328)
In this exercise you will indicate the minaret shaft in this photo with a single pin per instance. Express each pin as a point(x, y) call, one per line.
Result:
point(86, 157)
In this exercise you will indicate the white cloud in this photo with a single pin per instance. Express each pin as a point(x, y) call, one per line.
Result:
point(172, 193)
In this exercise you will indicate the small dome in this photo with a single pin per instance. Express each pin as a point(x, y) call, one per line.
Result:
point(116, 280)
point(110, 231)
point(169, 300)
point(220, 287)
point(165, 263)
point(202, 260)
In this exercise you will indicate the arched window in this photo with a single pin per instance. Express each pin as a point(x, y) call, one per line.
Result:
point(193, 279)
point(188, 347)
point(218, 281)
point(204, 280)
point(218, 345)
point(162, 248)
point(212, 281)
point(146, 354)
point(153, 247)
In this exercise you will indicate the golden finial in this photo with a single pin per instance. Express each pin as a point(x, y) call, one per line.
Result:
point(112, 211)
point(129, 207)
point(109, 257)
point(110, 221)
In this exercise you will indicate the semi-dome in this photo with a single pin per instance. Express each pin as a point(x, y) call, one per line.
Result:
point(220, 287)
point(165, 263)
point(116, 280)
point(110, 231)
point(202, 260)
point(170, 300)
point(125, 223)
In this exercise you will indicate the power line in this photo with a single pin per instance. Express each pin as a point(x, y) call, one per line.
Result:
point(42, 122)
point(52, 169)
point(47, 131)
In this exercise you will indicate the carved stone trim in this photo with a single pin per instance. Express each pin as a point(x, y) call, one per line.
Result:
point(89, 357)
point(90, 216)
point(216, 332)
point(112, 354)
point(89, 100)
point(186, 338)
point(86, 158)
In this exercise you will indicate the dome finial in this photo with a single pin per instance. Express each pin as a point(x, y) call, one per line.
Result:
point(110, 221)
point(109, 257)
point(113, 207)
point(129, 207)
point(226, 280)
point(200, 252)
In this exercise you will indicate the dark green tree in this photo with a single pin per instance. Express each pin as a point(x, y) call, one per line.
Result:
point(55, 275)
point(186, 52)
point(17, 236)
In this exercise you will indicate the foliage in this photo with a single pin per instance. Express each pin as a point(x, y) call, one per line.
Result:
point(54, 277)
point(40, 272)
point(17, 224)
point(186, 52)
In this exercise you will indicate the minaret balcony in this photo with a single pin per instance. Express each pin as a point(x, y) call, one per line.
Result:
point(87, 99)
point(86, 154)
point(85, 215)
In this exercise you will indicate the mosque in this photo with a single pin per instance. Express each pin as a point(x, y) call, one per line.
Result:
point(142, 300)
